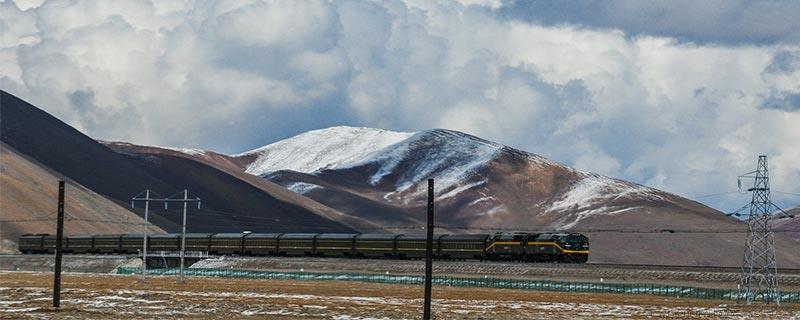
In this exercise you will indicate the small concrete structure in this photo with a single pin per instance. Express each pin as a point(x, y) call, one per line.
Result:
point(172, 259)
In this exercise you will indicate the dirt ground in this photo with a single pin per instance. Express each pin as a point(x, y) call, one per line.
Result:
point(27, 295)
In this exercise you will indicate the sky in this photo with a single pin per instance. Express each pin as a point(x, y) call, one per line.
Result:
point(677, 95)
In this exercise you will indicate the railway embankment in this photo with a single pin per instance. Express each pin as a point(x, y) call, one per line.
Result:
point(70, 262)
point(709, 277)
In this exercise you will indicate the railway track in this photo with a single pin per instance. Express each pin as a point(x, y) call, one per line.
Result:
point(589, 265)
point(682, 268)
point(721, 277)
point(487, 264)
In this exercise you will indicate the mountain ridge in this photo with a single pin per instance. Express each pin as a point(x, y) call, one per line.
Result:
point(448, 164)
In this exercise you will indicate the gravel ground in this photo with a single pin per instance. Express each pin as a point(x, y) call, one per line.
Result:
point(26, 295)
point(543, 271)
point(70, 262)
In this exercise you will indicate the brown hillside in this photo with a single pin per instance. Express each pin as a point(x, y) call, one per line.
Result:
point(28, 191)
point(234, 167)
point(789, 227)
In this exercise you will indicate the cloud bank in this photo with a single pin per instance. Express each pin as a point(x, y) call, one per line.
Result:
point(669, 104)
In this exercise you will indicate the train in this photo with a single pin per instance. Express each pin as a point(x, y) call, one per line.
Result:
point(501, 246)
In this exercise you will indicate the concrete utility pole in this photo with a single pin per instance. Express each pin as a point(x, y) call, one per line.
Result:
point(183, 230)
point(146, 200)
point(166, 201)
point(429, 254)
point(144, 243)
point(59, 237)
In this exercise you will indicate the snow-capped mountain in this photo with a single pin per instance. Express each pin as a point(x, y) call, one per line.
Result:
point(392, 167)
point(480, 186)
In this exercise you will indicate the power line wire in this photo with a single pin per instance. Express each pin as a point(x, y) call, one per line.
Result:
point(789, 193)
point(716, 194)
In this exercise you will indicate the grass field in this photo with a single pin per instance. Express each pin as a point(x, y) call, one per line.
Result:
point(26, 295)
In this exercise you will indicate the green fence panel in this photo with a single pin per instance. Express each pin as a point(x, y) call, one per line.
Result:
point(564, 286)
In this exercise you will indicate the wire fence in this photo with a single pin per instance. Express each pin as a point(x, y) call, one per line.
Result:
point(486, 282)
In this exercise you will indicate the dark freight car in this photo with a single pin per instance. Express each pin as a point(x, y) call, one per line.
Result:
point(164, 242)
point(298, 244)
point(261, 243)
point(49, 243)
point(107, 243)
point(376, 245)
point(413, 246)
point(227, 243)
point(198, 241)
point(31, 243)
point(79, 244)
point(335, 244)
point(468, 246)
point(132, 242)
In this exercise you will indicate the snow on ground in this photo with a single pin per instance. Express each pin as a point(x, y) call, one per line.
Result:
point(167, 303)
point(328, 148)
point(222, 262)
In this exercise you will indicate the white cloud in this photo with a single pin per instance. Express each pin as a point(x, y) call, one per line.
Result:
point(232, 75)
point(494, 4)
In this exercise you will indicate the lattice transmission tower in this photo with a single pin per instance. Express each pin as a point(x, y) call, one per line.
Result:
point(759, 276)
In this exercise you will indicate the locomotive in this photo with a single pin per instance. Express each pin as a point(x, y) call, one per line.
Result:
point(516, 246)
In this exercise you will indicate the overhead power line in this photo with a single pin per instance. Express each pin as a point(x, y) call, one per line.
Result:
point(717, 194)
point(788, 193)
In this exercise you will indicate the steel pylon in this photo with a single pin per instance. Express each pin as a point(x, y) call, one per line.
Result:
point(759, 276)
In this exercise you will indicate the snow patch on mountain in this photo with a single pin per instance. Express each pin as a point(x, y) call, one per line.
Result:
point(494, 210)
point(316, 150)
point(459, 189)
point(302, 187)
point(449, 157)
point(595, 190)
point(578, 217)
point(189, 151)
point(481, 199)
